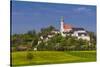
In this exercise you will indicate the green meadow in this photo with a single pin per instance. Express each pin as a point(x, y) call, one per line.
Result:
point(52, 57)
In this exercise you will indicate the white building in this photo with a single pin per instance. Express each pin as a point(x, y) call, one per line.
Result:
point(81, 33)
point(67, 29)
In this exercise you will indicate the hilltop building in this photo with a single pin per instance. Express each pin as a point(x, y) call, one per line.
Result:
point(66, 29)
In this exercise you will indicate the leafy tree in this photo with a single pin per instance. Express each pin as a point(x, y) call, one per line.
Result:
point(41, 46)
point(46, 31)
point(32, 33)
point(92, 40)
point(29, 56)
point(35, 42)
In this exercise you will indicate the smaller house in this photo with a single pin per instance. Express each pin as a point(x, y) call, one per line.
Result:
point(21, 48)
point(81, 33)
point(49, 35)
point(55, 31)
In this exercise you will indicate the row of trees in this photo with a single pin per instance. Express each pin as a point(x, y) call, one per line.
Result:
point(60, 43)
point(30, 40)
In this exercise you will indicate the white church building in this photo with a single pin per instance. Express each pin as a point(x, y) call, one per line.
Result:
point(66, 29)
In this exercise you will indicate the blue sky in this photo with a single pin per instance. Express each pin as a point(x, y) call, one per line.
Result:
point(35, 15)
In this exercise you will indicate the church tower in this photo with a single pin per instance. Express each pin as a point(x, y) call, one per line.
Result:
point(61, 25)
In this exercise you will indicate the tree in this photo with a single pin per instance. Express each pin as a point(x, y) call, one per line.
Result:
point(34, 42)
point(32, 33)
point(46, 31)
point(42, 46)
point(92, 40)
point(29, 55)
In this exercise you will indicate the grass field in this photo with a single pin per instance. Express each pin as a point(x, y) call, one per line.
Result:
point(52, 57)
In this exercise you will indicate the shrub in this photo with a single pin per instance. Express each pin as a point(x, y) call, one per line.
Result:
point(29, 55)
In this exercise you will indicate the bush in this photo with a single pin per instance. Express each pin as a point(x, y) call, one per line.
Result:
point(29, 55)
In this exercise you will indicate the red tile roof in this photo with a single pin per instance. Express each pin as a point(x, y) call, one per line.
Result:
point(67, 26)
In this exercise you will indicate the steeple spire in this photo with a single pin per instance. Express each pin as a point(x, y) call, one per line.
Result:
point(62, 19)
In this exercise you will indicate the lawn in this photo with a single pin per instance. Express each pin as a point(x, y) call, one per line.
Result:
point(52, 57)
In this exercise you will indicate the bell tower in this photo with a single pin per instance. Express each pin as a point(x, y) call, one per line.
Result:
point(61, 25)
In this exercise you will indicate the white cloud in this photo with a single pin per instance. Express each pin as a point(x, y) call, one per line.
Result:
point(82, 9)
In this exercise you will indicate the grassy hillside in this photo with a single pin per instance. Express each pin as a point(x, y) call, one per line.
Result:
point(52, 57)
